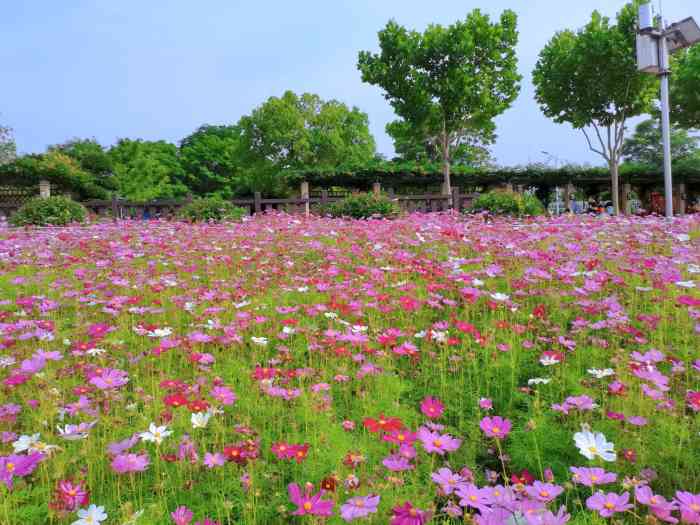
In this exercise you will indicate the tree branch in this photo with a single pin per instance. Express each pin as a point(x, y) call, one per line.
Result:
point(590, 145)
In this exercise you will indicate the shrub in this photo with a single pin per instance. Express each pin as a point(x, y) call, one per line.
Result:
point(504, 202)
point(211, 209)
point(363, 206)
point(54, 211)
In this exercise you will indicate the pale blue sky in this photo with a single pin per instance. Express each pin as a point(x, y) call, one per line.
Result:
point(158, 69)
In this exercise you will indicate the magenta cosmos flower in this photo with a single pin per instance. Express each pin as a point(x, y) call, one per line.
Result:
point(308, 503)
point(438, 443)
point(18, 466)
point(608, 504)
point(432, 408)
point(659, 506)
point(359, 507)
point(407, 514)
point(495, 427)
point(127, 463)
point(182, 516)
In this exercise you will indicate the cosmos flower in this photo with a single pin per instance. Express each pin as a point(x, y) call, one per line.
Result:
point(128, 463)
point(609, 504)
point(359, 507)
point(307, 503)
point(447, 480)
point(432, 408)
point(407, 514)
point(182, 516)
point(155, 434)
point(591, 477)
point(594, 445)
point(433, 442)
point(495, 427)
point(93, 515)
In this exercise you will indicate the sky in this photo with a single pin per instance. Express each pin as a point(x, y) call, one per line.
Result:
point(157, 69)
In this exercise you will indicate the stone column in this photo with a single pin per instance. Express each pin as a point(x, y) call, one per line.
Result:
point(376, 188)
point(305, 195)
point(625, 204)
point(44, 189)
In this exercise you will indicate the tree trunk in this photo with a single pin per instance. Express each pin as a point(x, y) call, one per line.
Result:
point(446, 186)
point(615, 176)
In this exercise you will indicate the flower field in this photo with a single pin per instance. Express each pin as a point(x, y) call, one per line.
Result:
point(433, 368)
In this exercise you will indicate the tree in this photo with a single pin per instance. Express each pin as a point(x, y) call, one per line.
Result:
point(589, 79)
point(685, 95)
point(212, 159)
point(645, 146)
point(64, 174)
point(8, 149)
point(448, 83)
point(295, 132)
point(91, 157)
point(472, 152)
point(147, 170)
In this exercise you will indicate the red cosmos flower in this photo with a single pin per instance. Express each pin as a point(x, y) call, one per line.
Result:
point(175, 400)
point(539, 312)
point(382, 424)
point(264, 373)
point(171, 384)
point(198, 405)
point(524, 477)
point(300, 452)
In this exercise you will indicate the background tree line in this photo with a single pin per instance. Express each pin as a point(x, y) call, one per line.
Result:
point(446, 85)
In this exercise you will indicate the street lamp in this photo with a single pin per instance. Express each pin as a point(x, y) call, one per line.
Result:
point(654, 44)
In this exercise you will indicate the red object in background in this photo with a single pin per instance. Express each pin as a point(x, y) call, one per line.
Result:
point(657, 203)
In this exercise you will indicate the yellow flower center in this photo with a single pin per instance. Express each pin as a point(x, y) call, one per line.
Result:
point(495, 430)
point(472, 498)
point(544, 493)
point(593, 450)
point(594, 478)
point(359, 503)
point(695, 507)
point(609, 505)
point(437, 443)
point(10, 467)
point(307, 505)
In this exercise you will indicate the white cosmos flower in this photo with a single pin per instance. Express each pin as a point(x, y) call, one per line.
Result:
point(594, 445)
point(160, 332)
point(155, 434)
point(6, 361)
point(420, 335)
point(331, 315)
point(96, 351)
point(643, 289)
point(600, 374)
point(303, 289)
point(93, 515)
point(538, 381)
point(288, 330)
point(683, 237)
point(438, 336)
point(25, 443)
point(498, 296)
point(685, 284)
point(693, 268)
point(200, 419)
point(260, 341)
point(477, 282)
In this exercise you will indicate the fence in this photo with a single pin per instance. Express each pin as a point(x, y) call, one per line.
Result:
point(304, 204)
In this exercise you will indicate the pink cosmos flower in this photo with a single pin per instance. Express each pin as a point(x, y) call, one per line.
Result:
point(223, 395)
point(448, 481)
point(689, 505)
point(127, 463)
point(437, 443)
point(659, 506)
point(432, 408)
point(592, 476)
point(495, 427)
point(544, 492)
point(110, 379)
point(546, 517)
point(474, 497)
point(609, 504)
point(182, 516)
point(214, 460)
point(308, 503)
point(359, 507)
point(485, 403)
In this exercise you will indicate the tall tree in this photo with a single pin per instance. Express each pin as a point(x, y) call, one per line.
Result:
point(409, 146)
point(447, 84)
point(685, 88)
point(211, 158)
point(146, 170)
point(8, 149)
point(589, 79)
point(645, 146)
point(91, 157)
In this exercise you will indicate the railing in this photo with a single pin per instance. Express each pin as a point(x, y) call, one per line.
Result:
point(305, 203)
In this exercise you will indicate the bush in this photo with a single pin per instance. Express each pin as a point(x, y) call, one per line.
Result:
point(211, 209)
point(504, 202)
point(363, 206)
point(54, 211)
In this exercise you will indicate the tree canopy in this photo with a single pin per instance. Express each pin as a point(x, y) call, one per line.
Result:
point(589, 79)
point(446, 84)
point(8, 150)
point(685, 88)
point(645, 146)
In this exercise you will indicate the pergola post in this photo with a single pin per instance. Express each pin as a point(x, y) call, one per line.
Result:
point(680, 197)
point(305, 195)
point(377, 188)
point(44, 189)
point(625, 197)
point(569, 195)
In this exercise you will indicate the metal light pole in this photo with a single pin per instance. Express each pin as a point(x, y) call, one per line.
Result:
point(664, 73)
point(654, 46)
